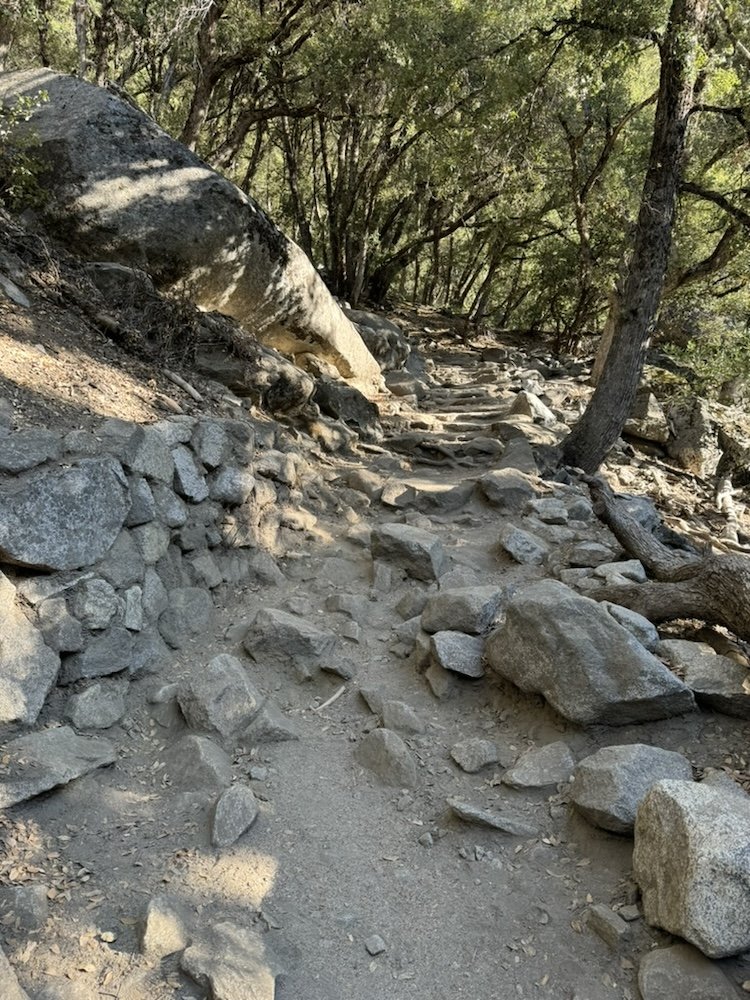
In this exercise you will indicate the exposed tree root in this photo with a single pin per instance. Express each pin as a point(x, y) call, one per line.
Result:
point(713, 587)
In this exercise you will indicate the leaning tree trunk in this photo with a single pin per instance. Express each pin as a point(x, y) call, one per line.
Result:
point(714, 588)
point(613, 399)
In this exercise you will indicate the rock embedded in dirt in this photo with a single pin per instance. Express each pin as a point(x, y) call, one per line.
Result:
point(198, 761)
point(235, 812)
point(166, 927)
point(10, 988)
point(607, 924)
point(540, 767)
point(420, 553)
point(549, 510)
point(591, 554)
point(28, 905)
point(280, 639)
point(508, 489)
point(458, 652)
point(591, 670)
point(28, 667)
point(270, 725)
point(473, 754)
point(62, 519)
point(464, 609)
point(190, 614)
point(443, 683)
point(220, 700)
point(648, 421)
point(526, 548)
point(386, 755)
point(98, 707)
point(507, 822)
point(41, 761)
point(680, 972)
point(375, 945)
point(692, 864)
point(234, 963)
point(718, 682)
point(400, 717)
point(609, 785)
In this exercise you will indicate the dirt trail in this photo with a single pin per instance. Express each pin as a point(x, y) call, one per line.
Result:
point(336, 856)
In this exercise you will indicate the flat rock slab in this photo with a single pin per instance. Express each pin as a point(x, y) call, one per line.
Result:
point(233, 963)
point(458, 652)
point(41, 761)
point(609, 785)
point(220, 698)
point(418, 552)
point(682, 973)
point(463, 609)
point(235, 812)
point(692, 863)
point(28, 667)
point(718, 682)
point(517, 826)
point(10, 988)
point(283, 640)
point(473, 754)
point(197, 761)
point(541, 767)
point(589, 668)
point(385, 754)
point(63, 519)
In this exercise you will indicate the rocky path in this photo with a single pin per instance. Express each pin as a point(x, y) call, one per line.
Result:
point(376, 835)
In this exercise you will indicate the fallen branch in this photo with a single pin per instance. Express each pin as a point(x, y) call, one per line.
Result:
point(334, 697)
point(185, 386)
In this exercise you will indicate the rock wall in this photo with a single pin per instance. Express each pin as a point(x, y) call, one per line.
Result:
point(114, 544)
point(120, 189)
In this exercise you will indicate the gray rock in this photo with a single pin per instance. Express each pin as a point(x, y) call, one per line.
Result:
point(682, 973)
point(591, 554)
point(24, 449)
point(386, 755)
point(537, 768)
point(10, 988)
point(196, 761)
point(418, 552)
point(549, 510)
point(281, 639)
point(124, 565)
point(591, 670)
point(63, 519)
point(508, 489)
point(235, 812)
point(609, 785)
point(170, 509)
point(148, 453)
point(28, 667)
point(507, 822)
point(172, 573)
point(176, 430)
point(154, 598)
point(607, 924)
point(628, 569)
point(270, 725)
point(385, 340)
point(375, 945)
point(95, 603)
point(374, 698)
point(190, 614)
point(220, 698)
point(149, 654)
point(638, 626)
point(233, 962)
point(133, 612)
point(473, 754)
point(206, 570)
point(11, 291)
point(99, 706)
point(648, 421)
point(36, 589)
point(400, 717)
point(694, 443)
point(443, 683)
point(189, 481)
point(28, 906)
point(107, 654)
point(142, 503)
point(465, 609)
point(519, 455)
point(61, 631)
point(152, 540)
point(166, 927)
point(718, 682)
point(523, 546)
point(44, 760)
point(529, 404)
point(232, 486)
point(692, 864)
point(458, 652)
point(211, 443)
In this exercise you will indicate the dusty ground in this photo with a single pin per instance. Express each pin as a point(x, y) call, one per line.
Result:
point(335, 856)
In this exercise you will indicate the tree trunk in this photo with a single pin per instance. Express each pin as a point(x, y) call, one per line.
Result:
point(7, 25)
point(613, 399)
point(80, 14)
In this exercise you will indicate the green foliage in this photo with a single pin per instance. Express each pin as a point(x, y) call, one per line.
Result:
point(20, 167)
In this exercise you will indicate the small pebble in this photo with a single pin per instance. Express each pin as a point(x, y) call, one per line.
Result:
point(375, 945)
point(426, 840)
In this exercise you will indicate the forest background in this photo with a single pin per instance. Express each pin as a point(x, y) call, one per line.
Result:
point(478, 156)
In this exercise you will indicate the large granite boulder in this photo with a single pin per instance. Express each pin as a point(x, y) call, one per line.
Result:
point(63, 518)
point(121, 189)
point(692, 863)
point(28, 667)
point(592, 670)
point(384, 339)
